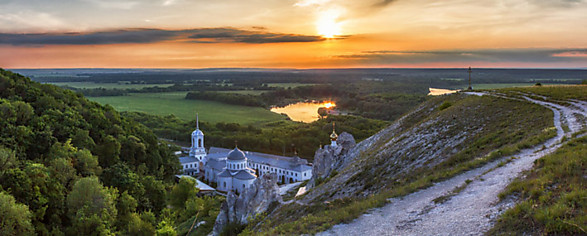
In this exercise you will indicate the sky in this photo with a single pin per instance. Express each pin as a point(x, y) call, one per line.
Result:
point(293, 33)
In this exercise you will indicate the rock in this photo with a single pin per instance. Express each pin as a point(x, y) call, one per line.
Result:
point(330, 158)
point(254, 200)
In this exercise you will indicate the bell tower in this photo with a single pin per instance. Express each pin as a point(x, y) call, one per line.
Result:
point(197, 150)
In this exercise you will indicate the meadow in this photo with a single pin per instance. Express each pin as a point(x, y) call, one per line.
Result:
point(245, 92)
point(500, 85)
point(92, 85)
point(288, 85)
point(174, 103)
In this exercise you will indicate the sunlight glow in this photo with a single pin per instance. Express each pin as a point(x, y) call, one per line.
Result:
point(327, 24)
point(328, 105)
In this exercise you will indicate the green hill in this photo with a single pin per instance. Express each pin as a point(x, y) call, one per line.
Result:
point(446, 137)
point(69, 165)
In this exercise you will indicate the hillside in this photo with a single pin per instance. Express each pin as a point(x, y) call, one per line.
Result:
point(71, 166)
point(447, 146)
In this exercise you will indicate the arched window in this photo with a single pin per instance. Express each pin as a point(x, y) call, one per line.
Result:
point(225, 184)
point(199, 142)
point(243, 187)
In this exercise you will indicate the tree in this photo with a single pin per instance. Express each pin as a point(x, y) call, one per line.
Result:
point(322, 111)
point(155, 194)
point(7, 160)
point(124, 179)
point(91, 207)
point(15, 217)
point(165, 229)
point(108, 151)
point(182, 191)
point(138, 226)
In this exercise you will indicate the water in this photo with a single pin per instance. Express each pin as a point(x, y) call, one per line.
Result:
point(437, 91)
point(303, 111)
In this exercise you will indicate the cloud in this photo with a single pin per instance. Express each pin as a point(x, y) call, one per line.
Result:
point(383, 3)
point(202, 35)
point(244, 36)
point(114, 4)
point(484, 55)
point(19, 21)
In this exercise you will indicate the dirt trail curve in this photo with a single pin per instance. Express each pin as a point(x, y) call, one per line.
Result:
point(472, 210)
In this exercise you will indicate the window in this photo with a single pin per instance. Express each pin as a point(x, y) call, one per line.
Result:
point(225, 184)
point(304, 174)
point(296, 174)
point(199, 143)
point(243, 186)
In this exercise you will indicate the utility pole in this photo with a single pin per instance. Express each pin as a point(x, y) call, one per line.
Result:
point(470, 71)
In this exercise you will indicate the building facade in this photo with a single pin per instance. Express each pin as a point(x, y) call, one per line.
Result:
point(197, 153)
point(235, 170)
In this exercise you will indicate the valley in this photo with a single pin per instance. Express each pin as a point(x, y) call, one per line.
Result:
point(447, 164)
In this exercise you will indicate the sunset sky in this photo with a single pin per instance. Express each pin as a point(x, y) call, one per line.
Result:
point(292, 33)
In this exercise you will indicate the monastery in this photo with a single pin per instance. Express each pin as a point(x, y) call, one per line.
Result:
point(235, 169)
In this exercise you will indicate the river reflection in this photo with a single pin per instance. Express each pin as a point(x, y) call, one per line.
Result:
point(437, 91)
point(303, 111)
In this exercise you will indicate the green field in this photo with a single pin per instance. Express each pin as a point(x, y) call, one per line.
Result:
point(245, 92)
point(91, 85)
point(505, 85)
point(500, 85)
point(287, 85)
point(174, 103)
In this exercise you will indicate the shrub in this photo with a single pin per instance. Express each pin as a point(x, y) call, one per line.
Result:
point(444, 105)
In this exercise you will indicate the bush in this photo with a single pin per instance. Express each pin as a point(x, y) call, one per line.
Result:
point(444, 105)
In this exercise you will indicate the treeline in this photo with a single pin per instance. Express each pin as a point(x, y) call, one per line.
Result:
point(198, 86)
point(361, 100)
point(277, 138)
point(71, 166)
point(276, 97)
point(313, 76)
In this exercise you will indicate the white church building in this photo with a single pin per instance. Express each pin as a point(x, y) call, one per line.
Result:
point(197, 153)
point(235, 170)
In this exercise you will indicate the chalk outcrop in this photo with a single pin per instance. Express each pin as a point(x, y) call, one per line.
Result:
point(256, 199)
point(331, 158)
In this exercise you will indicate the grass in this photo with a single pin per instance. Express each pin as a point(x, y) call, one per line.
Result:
point(320, 217)
point(174, 103)
point(91, 85)
point(455, 191)
point(245, 92)
point(554, 196)
point(505, 134)
point(557, 92)
point(288, 85)
point(500, 85)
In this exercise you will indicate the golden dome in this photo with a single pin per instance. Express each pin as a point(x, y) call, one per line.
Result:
point(333, 136)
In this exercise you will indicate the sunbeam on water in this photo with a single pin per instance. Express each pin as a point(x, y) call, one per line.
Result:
point(303, 111)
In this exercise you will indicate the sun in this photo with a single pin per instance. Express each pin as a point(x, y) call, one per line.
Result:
point(327, 25)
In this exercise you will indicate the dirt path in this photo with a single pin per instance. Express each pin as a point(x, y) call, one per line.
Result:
point(472, 210)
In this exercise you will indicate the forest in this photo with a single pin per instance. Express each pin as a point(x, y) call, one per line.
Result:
point(71, 166)
point(280, 137)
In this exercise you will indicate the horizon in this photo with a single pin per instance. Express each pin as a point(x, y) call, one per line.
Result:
point(284, 68)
